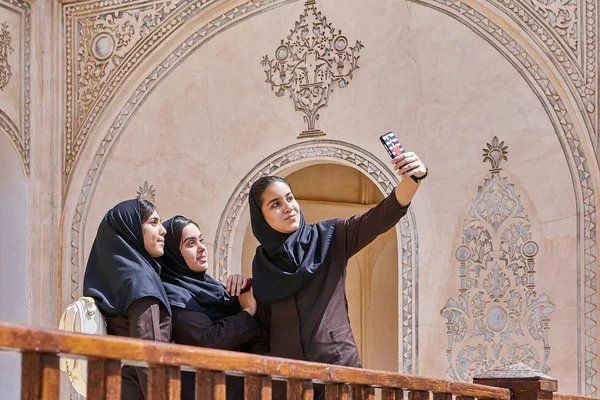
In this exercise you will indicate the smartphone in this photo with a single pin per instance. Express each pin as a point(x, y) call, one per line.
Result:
point(391, 144)
point(247, 286)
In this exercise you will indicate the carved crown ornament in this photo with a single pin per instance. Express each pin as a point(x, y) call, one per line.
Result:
point(5, 49)
point(497, 318)
point(309, 63)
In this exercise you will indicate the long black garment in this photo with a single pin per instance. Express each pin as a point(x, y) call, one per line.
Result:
point(123, 280)
point(312, 324)
point(204, 314)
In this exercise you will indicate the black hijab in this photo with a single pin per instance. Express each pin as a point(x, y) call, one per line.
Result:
point(285, 263)
point(192, 290)
point(120, 270)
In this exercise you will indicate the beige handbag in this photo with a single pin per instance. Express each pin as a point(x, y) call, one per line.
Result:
point(81, 316)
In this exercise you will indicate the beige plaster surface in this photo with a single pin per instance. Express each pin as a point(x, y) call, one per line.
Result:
point(443, 89)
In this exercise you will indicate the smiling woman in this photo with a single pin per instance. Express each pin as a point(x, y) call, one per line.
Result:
point(204, 313)
point(122, 276)
point(299, 269)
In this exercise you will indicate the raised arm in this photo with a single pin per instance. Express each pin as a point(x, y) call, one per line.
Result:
point(412, 171)
point(360, 230)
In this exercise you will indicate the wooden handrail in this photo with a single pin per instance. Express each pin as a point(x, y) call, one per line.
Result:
point(41, 347)
point(558, 396)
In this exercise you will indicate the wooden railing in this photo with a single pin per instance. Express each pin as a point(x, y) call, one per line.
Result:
point(41, 349)
point(40, 378)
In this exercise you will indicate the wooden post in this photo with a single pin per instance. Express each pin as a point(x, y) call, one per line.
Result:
point(523, 382)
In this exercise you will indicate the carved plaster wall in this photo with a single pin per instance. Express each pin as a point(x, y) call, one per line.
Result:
point(105, 46)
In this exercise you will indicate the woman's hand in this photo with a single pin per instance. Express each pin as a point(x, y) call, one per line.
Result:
point(247, 302)
point(235, 283)
point(408, 164)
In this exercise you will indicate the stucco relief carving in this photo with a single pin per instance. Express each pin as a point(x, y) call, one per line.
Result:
point(105, 40)
point(5, 49)
point(482, 26)
point(147, 192)
point(498, 318)
point(17, 129)
point(560, 15)
point(309, 63)
point(567, 29)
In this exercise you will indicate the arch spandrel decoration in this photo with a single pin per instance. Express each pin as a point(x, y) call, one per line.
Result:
point(18, 131)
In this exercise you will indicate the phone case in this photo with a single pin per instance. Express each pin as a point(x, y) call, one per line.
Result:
point(391, 144)
point(247, 286)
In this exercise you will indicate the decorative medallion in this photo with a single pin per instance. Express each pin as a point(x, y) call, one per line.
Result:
point(498, 318)
point(146, 192)
point(5, 49)
point(309, 63)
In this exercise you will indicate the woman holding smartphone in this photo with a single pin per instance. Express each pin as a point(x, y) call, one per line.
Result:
point(299, 269)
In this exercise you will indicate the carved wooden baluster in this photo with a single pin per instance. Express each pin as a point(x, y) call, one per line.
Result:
point(112, 371)
point(164, 383)
point(104, 380)
point(308, 391)
point(361, 392)
point(251, 388)
point(294, 389)
point(257, 388)
point(392, 394)
point(442, 396)
point(96, 379)
point(418, 395)
point(31, 370)
point(219, 388)
point(40, 376)
point(210, 385)
point(50, 377)
point(333, 391)
point(370, 393)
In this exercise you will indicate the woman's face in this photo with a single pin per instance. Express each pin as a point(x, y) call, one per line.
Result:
point(280, 208)
point(154, 235)
point(193, 249)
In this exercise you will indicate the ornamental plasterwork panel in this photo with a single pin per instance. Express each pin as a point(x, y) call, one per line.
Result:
point(567, 29)
point(15, 40)
point(6, 48)
point(105, 40)
point(309, 63)
point(497, 318)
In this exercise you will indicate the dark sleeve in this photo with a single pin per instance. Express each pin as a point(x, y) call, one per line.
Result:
point(197, 329)
point(358, 231)
point(148, 319)
point(260, 343)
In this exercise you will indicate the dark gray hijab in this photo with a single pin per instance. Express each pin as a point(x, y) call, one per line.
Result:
point(285, 263)
point(191, 290)
point(119, 270)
